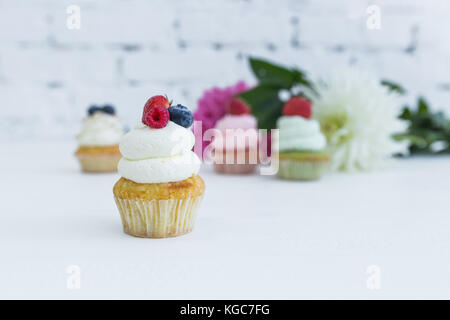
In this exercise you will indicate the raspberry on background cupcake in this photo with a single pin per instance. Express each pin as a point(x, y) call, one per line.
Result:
point(98, 141)
point(239, 140)
point(159, 192)
point(302, 144)
point(212, 106)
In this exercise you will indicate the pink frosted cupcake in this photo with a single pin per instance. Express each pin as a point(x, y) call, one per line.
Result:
point(236, 149)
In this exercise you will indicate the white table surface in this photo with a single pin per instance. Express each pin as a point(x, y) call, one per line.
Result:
point(256, 236)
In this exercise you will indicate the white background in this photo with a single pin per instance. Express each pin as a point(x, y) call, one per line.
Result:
point(128, 50)
point(256, 237)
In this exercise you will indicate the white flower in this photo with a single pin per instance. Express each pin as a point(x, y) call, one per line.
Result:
point(358, 116)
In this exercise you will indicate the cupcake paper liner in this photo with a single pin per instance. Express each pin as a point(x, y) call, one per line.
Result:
point(302, 170)
point(99, 163)
point(158, 218)
point(235, 168)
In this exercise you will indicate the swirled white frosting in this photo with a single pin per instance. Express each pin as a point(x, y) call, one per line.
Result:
point(298, 133)
point(100, 129)
point(158, 155)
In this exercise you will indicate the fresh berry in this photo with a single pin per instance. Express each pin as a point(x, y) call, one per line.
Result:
point(181, 115)
point(237, 106)
point(160, 101)
point(109, 109)
point(157, 117)
point(93, 109)
point(298, 106)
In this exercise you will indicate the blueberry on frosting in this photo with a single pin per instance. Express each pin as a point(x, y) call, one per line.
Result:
point(181, 115)
point(93, 109)
point(109, 109)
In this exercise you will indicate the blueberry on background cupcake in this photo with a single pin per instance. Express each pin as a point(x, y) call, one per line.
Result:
point(108, 109)
point(98, 141)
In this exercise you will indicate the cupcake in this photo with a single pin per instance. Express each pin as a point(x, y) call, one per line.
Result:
point(159, 191)
point(98, 141)
point(302, 145)
point(236, 150)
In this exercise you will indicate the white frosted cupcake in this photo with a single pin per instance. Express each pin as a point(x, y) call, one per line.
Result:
point(160, 191)
point(98, 149)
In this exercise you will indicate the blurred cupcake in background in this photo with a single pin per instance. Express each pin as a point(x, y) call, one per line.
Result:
point(212, 107)
point(236, 149)
point(302, 145)
point(98, 141)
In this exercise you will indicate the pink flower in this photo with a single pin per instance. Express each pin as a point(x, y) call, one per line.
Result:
point(211, 106)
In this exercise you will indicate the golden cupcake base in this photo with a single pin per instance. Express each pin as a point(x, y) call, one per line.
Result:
point(159, 210)
point(98, 158)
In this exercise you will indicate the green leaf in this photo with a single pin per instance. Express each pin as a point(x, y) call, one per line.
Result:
point(392, 86)
point(263, 99)
point(425, 128)
point(422, 107)
point(406, 114)
point(415, 140)
point(265, 104)
point(269, 73)
point(300, 77)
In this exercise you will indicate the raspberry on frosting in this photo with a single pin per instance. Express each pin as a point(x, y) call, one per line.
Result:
point(154, 101)
point(157, 117)
point(298, 106)
point(237, 106)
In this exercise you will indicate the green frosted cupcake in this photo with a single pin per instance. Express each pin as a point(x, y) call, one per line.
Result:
point(302, 145)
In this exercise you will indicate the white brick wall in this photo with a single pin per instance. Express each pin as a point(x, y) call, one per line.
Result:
point(128, 50)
